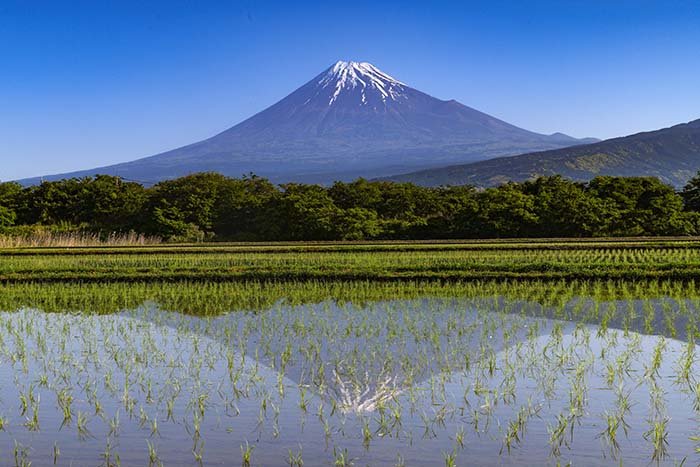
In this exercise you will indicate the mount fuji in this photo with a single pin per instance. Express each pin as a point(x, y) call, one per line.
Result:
point(352, 120)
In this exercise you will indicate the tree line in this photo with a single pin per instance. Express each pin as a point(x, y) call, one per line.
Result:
point(210, 206)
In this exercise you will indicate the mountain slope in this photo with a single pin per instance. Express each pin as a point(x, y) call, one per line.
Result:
point(351, 120)
point(671, 154)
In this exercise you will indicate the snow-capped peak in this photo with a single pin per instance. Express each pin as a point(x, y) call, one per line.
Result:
point(351, 75)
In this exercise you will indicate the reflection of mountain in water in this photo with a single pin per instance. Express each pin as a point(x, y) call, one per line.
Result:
point(362, 356)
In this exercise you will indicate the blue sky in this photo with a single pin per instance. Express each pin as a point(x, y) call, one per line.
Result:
point(90, 83)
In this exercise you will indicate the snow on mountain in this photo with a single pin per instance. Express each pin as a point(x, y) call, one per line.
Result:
point(351, 75)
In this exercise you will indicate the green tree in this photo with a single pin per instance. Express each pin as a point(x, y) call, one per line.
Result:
point(245, 210)
point(307, 212)
point(186, 204)
point(9, 193)
point(109, 204)
point(563, 208)
point(445, 210)
point(357, 194)
point(691, 194)
point(503, 212)
point(52, 203)
point(7, 217)
point(640, 206)
point(357, 224)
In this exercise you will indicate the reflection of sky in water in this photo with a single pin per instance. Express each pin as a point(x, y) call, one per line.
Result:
point(414, 374)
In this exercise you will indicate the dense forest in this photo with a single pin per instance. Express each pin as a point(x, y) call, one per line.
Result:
point(209, 206)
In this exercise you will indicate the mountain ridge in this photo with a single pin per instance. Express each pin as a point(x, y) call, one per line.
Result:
point(350, 120)
point(672, 154)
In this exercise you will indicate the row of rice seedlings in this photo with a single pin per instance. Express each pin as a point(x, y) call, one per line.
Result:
point(643, 262)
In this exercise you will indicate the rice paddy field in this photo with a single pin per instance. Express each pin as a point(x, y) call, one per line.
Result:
point(543, 259)
point(468, 353)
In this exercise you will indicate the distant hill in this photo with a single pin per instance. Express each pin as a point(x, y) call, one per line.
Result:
point(671, 154)
point(351, 120)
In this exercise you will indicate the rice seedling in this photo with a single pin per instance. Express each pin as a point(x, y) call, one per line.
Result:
point(198, 452)
point(658, 436)
point(32, 422)
point(609, 434)
point(56, 453)
point(246, 454)
point(82, 428)
point(21, 455)
point(65, 402)
point(341, 458)
point(153, 459)
point(450, 459)
point(295, 458)
point(110, 459)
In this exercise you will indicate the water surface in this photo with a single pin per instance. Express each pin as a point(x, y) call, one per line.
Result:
point(488, 381)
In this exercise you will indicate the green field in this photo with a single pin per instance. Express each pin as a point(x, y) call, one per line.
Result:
point(453, 261)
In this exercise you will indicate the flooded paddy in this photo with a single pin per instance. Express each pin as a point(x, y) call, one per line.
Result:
point(487, 374)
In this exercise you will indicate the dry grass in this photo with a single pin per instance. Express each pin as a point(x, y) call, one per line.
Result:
point(75, 239)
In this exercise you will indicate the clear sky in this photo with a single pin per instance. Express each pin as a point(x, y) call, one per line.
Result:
point(94, 82)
